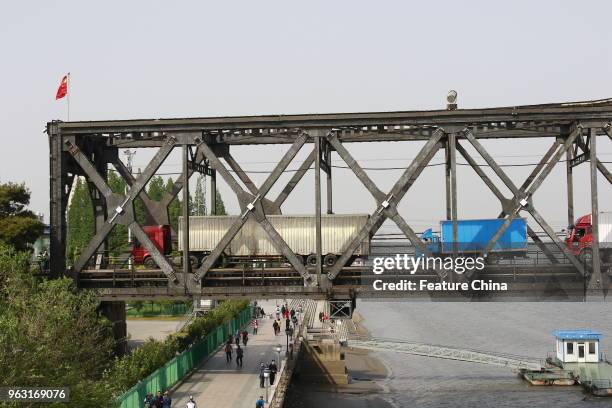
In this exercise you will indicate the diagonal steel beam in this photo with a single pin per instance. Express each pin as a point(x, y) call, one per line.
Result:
point(149, 205)
point(522, 197)
point(270, 207)
point(134, 191)
point(89, 169)
point(505, 203)
point(92, 246)
point(378, 195)
point(519, 194)
point(604, 171)
point(150, 170)
point(383, 202)
point(177, 186)
point(246, 180)
point(159, 258)
point(254, 204)
point(600, 166)
point(297, 176)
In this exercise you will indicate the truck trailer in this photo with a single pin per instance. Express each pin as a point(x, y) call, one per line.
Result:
point(473, 236)
point(253, 243)
point(580, 237)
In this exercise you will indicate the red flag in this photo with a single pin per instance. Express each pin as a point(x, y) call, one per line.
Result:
point(63, 88)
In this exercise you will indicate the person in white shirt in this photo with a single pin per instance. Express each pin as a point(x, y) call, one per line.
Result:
point(191, 403)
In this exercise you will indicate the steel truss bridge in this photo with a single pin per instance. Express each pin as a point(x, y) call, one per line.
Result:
point(88, 149)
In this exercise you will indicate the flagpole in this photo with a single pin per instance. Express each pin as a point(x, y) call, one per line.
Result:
point(68, 96)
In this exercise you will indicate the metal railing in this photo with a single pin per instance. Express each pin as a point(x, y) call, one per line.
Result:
point(449, 353)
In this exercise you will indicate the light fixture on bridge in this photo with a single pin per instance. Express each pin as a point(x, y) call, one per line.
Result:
point(451, 98)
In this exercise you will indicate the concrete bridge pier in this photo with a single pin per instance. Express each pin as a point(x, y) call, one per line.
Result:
point(115, 312)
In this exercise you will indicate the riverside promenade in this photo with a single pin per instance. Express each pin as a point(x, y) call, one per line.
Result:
point(217, 383)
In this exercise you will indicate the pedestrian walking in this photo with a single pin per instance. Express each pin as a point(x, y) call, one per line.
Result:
point(239, 354)
point(166, 400)
point(261, 312)
point(149, 401)
point(237, 336)
point(228, 352)
point(255, 325)
point(275, 327)
point(321, 316)
point(287, 323)
point(191, 403)
point(245, 337)
point(260, 403)
point(262, 377)
point(273, 370)
point(159, 400)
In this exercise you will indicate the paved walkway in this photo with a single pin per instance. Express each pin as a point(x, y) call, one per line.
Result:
point(220, 384)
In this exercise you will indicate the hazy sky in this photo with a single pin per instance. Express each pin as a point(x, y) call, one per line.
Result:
point(153, 59)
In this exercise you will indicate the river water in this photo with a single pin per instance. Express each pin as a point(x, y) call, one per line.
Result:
point(507, 327)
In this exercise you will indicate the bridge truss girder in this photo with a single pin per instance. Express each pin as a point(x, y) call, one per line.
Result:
point(87, 148)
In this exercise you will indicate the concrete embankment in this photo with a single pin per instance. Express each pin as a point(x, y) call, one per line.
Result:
point(329, 376)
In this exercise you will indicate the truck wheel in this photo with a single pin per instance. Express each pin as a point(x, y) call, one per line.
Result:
point(311, 260)
point(193, 260)
point(150, 263)
point(329, 260)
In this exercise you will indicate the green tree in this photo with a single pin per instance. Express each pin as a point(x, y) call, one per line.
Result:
point(117, 239)
point(51, 334)
point(80, 220)
point(174, 208)
point(18, 225)
point(198, 206)
point(156, 188)
point(220, 205)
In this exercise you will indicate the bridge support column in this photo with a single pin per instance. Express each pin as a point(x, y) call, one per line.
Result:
point(213, 192)
point(595, 283)
point(115, 312)
point(318, 234)
point(570, 187)
point(185, 213)
point(60, 184)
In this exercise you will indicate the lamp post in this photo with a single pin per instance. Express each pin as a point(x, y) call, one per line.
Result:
point(279, 348)
point(267, 383)
point(288, 333)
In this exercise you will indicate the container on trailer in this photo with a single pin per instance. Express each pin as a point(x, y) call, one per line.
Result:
point(298, 231)
point(605, 229)
point(474, 235)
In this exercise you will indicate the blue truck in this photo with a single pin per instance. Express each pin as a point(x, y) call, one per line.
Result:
point(473, 236)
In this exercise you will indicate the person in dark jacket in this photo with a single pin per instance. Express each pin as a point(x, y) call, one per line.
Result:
point(166, 400)
point(149, 401)
point(262, 378)
point(159, 400)
point(245, 337)
point(228, 352)
point(239, 354)
point(273, 370)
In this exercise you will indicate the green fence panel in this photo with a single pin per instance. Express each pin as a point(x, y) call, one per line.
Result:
point(154, 309)
point(171, 373)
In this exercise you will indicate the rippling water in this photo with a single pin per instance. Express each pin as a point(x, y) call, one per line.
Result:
point(515, 328)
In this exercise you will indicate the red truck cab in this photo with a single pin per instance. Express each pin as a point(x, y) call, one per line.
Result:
point(579, 237)
point(161, 237)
